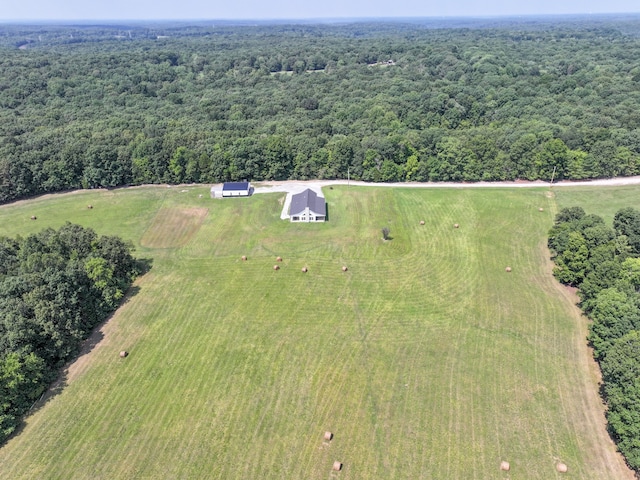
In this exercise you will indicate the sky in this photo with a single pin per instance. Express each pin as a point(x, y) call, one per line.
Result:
point(16, 10)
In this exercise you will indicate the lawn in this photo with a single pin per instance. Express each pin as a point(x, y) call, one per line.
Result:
point(425, 359)
point(601, 201)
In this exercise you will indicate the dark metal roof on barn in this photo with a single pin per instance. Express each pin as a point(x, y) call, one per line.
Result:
point(235, 186)
point(305, 199)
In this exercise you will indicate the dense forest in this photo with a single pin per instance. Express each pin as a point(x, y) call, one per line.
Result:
point(102, 106)
point(604, 263)
point(55, 287)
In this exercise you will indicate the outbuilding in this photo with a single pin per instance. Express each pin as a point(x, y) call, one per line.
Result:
point(307, 206)
point(236, 189)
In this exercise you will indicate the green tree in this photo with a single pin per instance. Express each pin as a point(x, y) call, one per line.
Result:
point(621, 377)
point(630, 275)
point(21, 383)
point(178, 164)
point(572, 264)
point(627, 222)
point(554, 155)
point(614, 314)
point(576, 168)
point(101, 274)
point(277, 157)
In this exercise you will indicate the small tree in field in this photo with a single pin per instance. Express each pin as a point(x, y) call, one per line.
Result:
point(386, 233)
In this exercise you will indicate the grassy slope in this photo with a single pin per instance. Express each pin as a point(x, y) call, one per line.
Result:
point(601, 201)
point(425, 359)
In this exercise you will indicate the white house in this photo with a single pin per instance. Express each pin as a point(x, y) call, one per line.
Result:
point(307, 206)
point(236, 189)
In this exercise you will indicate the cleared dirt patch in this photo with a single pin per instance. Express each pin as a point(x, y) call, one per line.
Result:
point(173, 227)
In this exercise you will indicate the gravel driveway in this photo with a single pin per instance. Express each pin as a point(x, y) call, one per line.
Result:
point(291, 187)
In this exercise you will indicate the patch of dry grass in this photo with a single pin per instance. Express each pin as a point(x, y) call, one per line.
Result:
point(173, 227)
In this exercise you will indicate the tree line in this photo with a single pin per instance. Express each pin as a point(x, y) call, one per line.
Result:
point(55, 287)
point(603, 262)
point(84, 107)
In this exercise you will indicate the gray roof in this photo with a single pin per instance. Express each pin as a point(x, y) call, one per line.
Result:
point(235, 186)
point(305, 199)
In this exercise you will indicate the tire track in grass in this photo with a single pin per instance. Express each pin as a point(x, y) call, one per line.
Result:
point(411, 270)
point(472, 407)
point(185, 394)
point(153, 412)
point(417, 405)
point(313, 432)
point(492, 315)
point(417, 432)
point(240, 365)
point(175, 312)
point(312, 442)
point(453, 400)
point(502, 452)
point(543, 284)
point(546, 339)
point(325, 396)
point(550, 353)
point(228, 362)
point(453, 278)
point(369, 399)
point(512, 314)
point(99, 355)
point(363, 329)
point(305, 410)
point(540, 378)
point(408, 284)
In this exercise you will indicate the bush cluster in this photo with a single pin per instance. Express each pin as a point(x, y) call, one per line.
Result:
point(604, 263)
point(55, 287)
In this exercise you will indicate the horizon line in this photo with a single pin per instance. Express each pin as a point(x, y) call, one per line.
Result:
point(318, 19)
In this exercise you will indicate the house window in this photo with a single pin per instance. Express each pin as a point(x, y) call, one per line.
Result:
point(295, 219)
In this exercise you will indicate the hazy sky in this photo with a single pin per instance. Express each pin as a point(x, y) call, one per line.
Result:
point(296, 9)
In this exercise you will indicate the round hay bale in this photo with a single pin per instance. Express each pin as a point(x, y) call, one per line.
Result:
point(304, 270)
point(541, 209)
point(508, 269)
point(504, 466)
point(455, 225)
point(276, 267)
point(328, 436)
point(124, 354)
point(278, 259)
point(421, 222)
point(344, 268)
point(89, 207)
point(561, 467)
point(337, 466)
point(33, 217)
point(244, 258)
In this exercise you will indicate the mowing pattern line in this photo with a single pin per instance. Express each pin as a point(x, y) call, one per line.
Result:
point(426, 359)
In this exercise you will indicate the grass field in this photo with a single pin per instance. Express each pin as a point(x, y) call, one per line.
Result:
point(425, 359)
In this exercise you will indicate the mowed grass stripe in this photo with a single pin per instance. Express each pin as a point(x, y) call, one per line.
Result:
point(426, 359)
